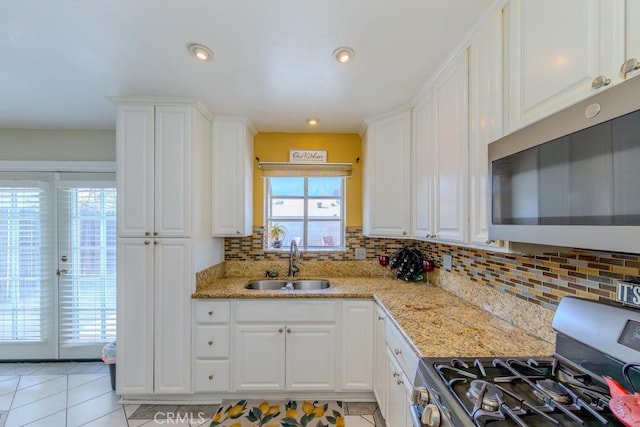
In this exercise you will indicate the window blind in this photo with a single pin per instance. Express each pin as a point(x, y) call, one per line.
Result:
point(24, 238)
point(87, 265)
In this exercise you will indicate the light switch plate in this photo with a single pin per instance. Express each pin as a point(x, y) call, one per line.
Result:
point(447, 261)
point(361, 253)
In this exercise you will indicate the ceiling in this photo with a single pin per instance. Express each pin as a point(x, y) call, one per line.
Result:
point(272, 58)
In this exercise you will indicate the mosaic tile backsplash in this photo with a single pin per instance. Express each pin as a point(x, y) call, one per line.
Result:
point(540, 279)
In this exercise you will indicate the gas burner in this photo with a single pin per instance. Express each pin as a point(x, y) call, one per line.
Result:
point(489, 395)
point(554, 390)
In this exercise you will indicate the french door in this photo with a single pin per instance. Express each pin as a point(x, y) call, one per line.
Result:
point(57, 265)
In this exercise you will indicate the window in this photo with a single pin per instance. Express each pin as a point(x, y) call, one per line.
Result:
point(311, 209)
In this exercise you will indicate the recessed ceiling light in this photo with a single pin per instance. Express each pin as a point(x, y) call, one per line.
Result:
point(201, 52)
point(312, 121)
point(344, 54)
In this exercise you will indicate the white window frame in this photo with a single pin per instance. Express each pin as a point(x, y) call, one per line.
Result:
point(303, 246)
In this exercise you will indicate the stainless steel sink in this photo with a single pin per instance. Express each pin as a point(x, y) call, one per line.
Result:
point(303, 285)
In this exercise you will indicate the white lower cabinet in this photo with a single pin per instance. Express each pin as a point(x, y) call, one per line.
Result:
point(283, 345)
point(399, 395)
point(211, 344)
point(380, 362)
point(356, 365)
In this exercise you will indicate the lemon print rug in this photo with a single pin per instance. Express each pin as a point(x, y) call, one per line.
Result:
point(291, 413)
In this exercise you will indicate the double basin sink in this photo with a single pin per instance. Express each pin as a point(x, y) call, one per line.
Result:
point(288, 285)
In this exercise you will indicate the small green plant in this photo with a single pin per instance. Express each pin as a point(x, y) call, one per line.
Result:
point(276, 233)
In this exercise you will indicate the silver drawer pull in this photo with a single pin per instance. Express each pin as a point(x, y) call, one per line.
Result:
point(380, 317)
point(211, 313)
point(210, 342)
point(211, 376)
point(397, 351)
point(399, 381)
point(396, 374)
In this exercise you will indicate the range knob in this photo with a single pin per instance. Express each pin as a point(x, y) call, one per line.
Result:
point(431, 416)
point(420, 396)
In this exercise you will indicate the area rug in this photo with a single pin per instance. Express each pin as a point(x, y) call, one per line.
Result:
point(292, 413)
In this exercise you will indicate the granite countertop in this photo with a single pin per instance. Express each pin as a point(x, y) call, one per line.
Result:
point(436, 322)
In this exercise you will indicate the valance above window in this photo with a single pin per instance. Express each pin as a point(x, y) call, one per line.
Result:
point(270, 169)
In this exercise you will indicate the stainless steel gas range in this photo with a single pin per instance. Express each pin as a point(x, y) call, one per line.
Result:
point(565, 389)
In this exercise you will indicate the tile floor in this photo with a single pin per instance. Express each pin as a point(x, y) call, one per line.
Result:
point(79, 394)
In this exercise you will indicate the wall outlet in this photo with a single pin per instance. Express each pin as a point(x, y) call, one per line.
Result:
point(447, 261)
point(361, 253)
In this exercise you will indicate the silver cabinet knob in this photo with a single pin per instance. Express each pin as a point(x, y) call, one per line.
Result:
point(210, 342)
point(147, 234)
point(404, 233)
point(600, 81)
point(428, 236)
point(488, 242)
point(211, 377)
point(288, 330)
point(380, 317)
point(146, 242)
point(399, 381)
point(211, 313)
point(629, 65)
point(155, 233)
point(280, 330)
point(155, 242)
point(397, 351)
point(395, 374)
point(237, 231)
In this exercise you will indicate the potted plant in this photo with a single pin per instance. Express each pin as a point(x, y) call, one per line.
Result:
point(276, 233)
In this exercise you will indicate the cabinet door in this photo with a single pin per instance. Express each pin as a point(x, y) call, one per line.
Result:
point(135, 316)
point(259, 357)
point(381, 364)
point(174, 284)
point(398, 402)
point(423, 168)
point(356, 366)
point(135, 169)
point(386, 209)
point(311, 357)
point(485, 119)
point(450, 196)
point(173, 129)
point(633, 33)
point(556, 49)
point(232, 178)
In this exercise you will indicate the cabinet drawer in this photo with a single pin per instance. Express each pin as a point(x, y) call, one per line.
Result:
point(211, 375)
point(212, 311)
point(401, 350)
point(286, 311)
point(212, 341)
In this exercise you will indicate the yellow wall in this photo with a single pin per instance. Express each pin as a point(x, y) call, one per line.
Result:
point(341, 148)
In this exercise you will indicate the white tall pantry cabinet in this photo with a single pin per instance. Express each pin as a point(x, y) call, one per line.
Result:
point(162, 204)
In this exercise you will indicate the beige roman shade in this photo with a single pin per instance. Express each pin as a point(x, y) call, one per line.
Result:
point(270, 169)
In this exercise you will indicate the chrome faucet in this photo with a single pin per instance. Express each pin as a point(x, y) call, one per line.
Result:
point(294, 254)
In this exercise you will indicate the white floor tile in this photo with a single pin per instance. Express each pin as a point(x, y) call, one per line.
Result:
point(88, 391)
point(115, 419)
point(87, 368)
point(9, 384)
point(39, 391)
point(58, 419)
point(37, 410)
point(5, 401)
point(92, 409)
point(356, 421)
point(79, 379)
point(31, 380)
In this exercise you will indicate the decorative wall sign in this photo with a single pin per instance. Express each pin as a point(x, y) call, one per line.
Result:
point(307, 156)
point(629, 292)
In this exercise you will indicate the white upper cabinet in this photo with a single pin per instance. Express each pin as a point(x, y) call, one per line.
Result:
point(632, 25)
point(450, 98)
point(386, 149)
point(232, 177)
point(485, 120)
point(423, 168)
point(560, 53)
point(153, 146)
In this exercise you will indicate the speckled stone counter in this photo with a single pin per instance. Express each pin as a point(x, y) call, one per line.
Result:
point(436, 322)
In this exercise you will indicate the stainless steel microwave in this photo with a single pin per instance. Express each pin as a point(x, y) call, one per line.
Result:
point(572, 179)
